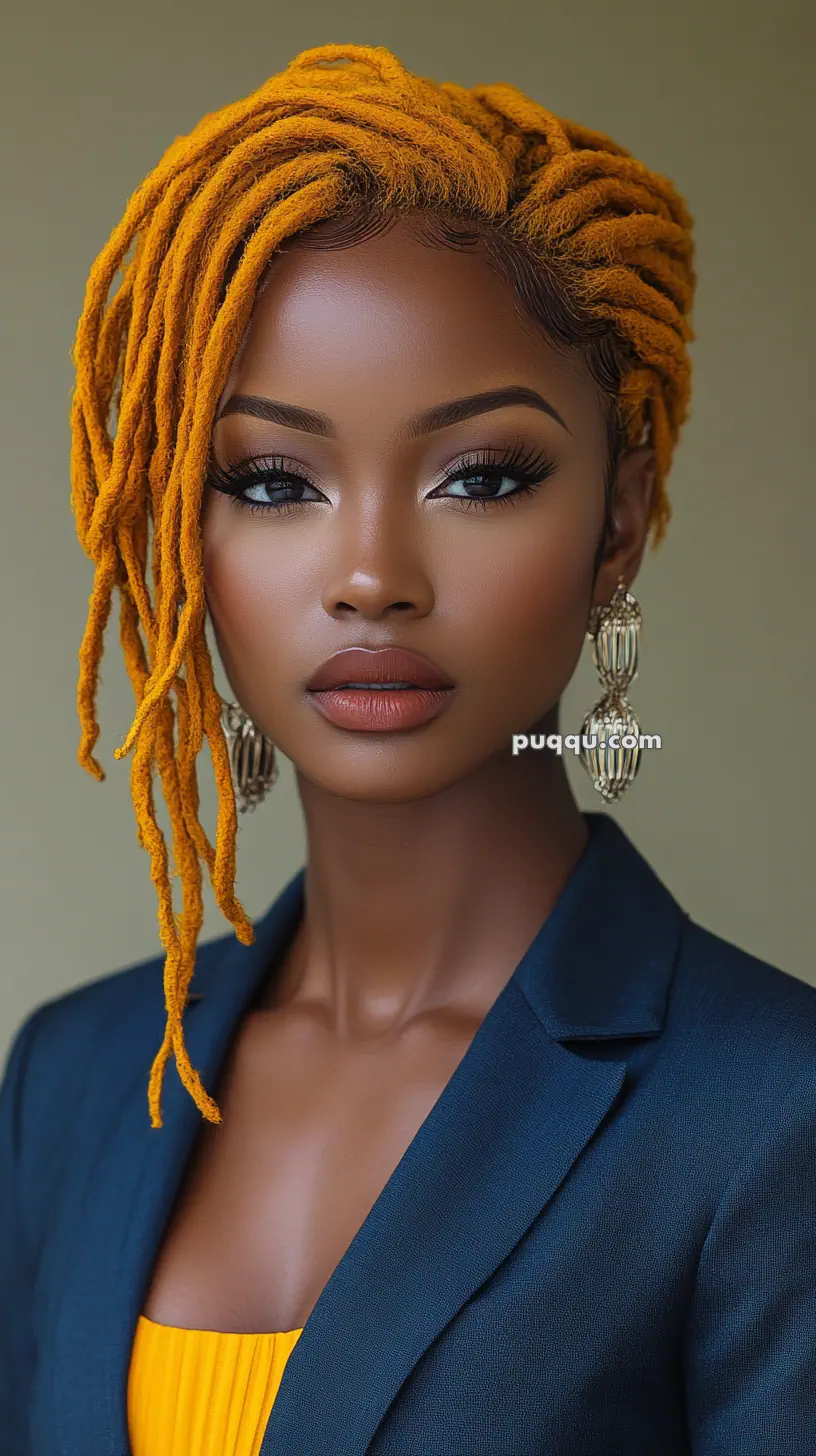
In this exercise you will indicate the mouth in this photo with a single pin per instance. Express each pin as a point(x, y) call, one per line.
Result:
point(379, 691)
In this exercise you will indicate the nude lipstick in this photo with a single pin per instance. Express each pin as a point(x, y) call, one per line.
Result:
point(379, 690)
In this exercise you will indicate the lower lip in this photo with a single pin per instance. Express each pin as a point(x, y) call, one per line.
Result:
point(384, 710)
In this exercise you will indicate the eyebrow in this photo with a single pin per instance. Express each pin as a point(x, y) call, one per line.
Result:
point(438, 417)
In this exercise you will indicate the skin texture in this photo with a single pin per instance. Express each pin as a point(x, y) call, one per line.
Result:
point(360, 1027)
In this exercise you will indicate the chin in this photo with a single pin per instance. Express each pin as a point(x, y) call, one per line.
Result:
point(377, 776)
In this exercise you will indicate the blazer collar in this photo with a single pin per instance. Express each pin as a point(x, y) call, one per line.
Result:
point(497, 1144)
point(600, 966)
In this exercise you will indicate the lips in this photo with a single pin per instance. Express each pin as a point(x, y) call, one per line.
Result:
point(384, 666)
point(380, 690)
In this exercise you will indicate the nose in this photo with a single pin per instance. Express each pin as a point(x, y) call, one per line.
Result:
point(377, 566)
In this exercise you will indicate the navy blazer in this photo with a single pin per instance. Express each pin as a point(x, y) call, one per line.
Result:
point(600, 1242)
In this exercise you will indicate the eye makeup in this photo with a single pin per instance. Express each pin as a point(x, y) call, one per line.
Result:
point(288, 487)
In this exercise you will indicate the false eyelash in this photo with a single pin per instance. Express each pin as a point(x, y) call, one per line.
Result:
point(232, 479)
point(528, 468)
point(527, 465)
point(272, 470)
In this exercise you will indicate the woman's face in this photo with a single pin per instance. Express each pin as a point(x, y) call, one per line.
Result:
point(385, 529)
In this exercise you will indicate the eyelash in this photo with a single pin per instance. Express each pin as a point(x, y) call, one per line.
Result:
point(528, 469)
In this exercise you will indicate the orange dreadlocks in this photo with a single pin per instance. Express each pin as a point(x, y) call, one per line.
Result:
point(311, 139)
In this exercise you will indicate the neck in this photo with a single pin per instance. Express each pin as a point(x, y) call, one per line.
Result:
point(429, 905)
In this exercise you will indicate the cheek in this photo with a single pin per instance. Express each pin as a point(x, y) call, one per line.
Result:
point(254, 587)
point(525, 611)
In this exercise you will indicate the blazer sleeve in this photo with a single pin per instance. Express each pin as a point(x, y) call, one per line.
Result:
point(750, 1350)
point(17, 1345)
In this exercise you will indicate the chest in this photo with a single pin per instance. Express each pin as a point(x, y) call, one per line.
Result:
point(273, 1196)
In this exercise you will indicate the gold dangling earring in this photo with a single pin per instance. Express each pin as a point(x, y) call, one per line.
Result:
point(252, 757)
point(614, 632)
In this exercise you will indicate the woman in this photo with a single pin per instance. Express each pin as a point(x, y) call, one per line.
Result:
point(475, 1143)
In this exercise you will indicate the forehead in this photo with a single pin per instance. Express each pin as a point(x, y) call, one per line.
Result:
point(398, 321)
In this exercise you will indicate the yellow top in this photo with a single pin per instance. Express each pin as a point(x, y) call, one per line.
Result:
point(202, 1392)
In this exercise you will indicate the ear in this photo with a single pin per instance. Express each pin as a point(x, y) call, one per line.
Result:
point(634, 488)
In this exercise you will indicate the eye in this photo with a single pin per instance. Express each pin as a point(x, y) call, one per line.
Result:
point(484, 488)
point(495, 476)
point(276, 489)
point(263, 485)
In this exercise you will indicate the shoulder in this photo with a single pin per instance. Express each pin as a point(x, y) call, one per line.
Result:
point(62, 1052)
point(740, 1033)
point(729, 989)
point(67, 1024)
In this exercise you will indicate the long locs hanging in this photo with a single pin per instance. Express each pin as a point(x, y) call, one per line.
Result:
point(614, 632)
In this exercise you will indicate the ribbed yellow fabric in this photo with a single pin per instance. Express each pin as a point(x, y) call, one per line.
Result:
point(202, 1392)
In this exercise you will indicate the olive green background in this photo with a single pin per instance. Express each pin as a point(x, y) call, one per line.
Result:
point(715, 95)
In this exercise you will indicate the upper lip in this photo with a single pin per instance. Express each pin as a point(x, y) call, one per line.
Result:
point(378, 665)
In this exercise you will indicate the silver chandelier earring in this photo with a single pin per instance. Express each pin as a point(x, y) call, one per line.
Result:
point(252, 757)
point(614, 632)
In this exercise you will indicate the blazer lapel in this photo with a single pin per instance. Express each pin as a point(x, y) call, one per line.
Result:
point(495, 1147)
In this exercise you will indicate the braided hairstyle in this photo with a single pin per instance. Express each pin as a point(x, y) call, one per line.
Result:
point(340, 125)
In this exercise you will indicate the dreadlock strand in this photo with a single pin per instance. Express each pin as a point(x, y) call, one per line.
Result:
point(82, 472)
point(584, 138)
point(620, 287)
point(658, 342)
point(132, 508)
point(90, 657)
point(574, 208)
point(191, 918)
point(152, 839)
point(611, 239)
point(156, 1078)
point(524, 115)
point(134, 609)
point(189, 742)
point(185, 855)
point(115, 328)
point(191, 699)
point(360, 61)
point(133, 648)
point(134, 564)
point(489, 125)
point(669, 276)
point(572, 170)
